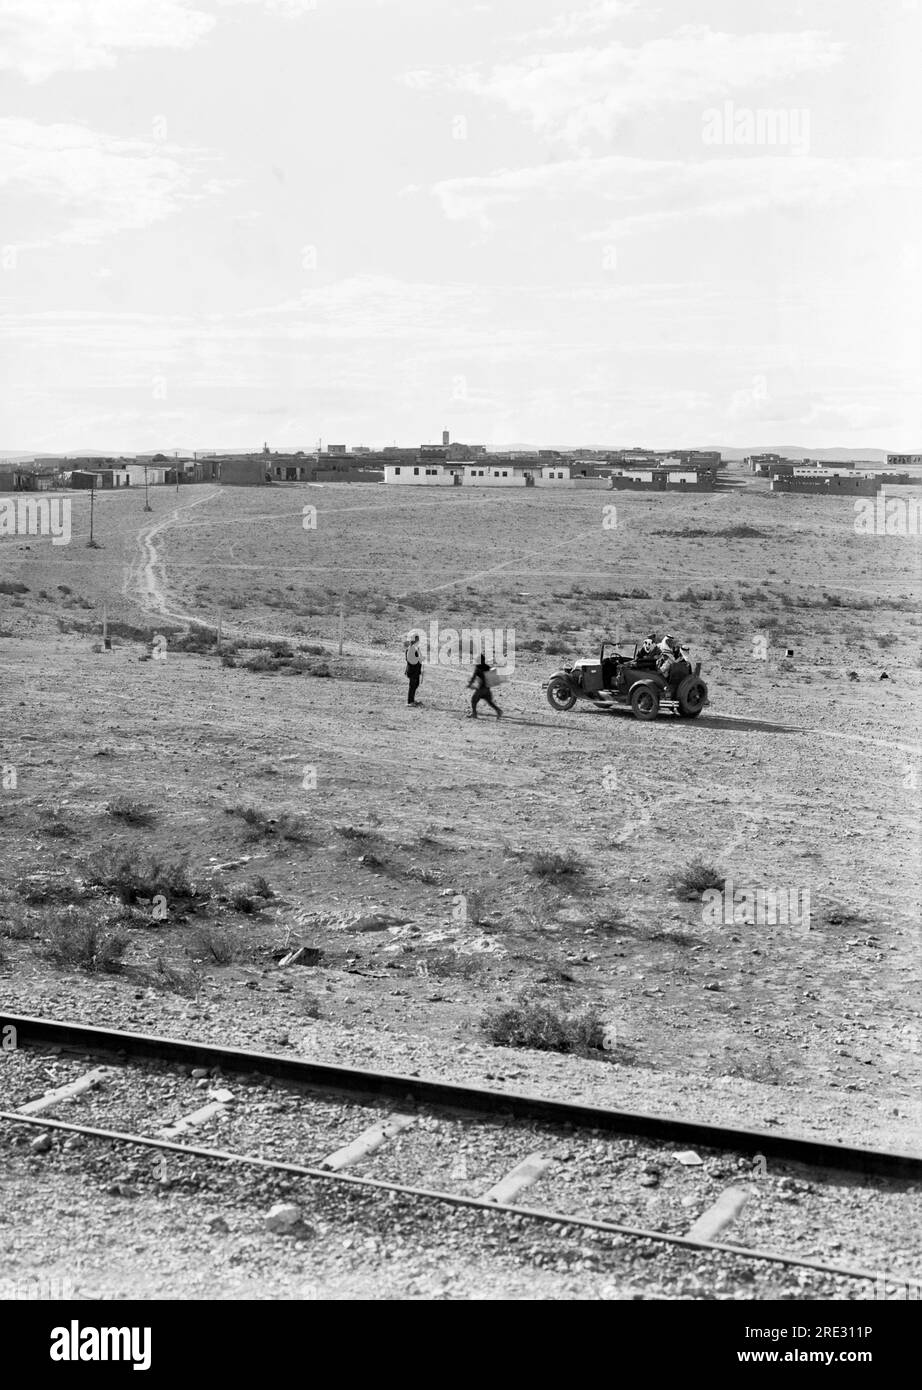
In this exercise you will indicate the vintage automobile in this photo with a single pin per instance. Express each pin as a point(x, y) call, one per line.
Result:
point(629, 682)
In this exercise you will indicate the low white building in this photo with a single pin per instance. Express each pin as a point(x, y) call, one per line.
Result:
point(554, 475)
point(493, 475)
point(421, 474)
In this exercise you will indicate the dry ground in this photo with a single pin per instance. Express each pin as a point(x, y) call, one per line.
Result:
point(797, 778)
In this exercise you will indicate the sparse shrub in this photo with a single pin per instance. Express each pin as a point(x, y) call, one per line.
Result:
point(310, 1006)
point(554, 864)
point(215, 944)
point(119, 871)
point(288, 826)
point(260, 887)
point(85, 943)
point(544, 1025)
point(242, 901)
point(131, 812)
point(689, 883)
point(8, 586)
point(55, 826)
point(357, 832)
point(166, 977)
point(38, 891)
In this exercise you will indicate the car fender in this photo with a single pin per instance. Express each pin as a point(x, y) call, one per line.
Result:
point(657, 685)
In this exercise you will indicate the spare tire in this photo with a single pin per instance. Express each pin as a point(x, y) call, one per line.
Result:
point(691, 696)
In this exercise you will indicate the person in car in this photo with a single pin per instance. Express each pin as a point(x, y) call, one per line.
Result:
point(673, 664)
point(647, 652)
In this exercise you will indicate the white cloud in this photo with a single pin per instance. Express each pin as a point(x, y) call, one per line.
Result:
point(96, 185)
point(41, 37)
point(647, 192)
point(584, 93)
point(576, 23)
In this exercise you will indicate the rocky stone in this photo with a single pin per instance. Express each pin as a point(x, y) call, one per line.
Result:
point(283, 1218)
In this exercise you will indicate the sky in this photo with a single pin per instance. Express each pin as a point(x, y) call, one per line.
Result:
point(230, 222)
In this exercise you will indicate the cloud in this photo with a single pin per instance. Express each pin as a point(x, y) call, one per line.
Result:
point(583, 93)
point(577, 23)
point(96, 185)
point(647, 192)
point(41, 37)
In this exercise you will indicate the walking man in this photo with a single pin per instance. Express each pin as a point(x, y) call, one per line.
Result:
point(479, 680)
point(414, 670)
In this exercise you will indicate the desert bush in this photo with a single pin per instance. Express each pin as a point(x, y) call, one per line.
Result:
point(689, 883)
point(260, 825)
point(215, 944)
point(167, 977)
point(84, 942)
point(131, 876)
point(358, 832)
point(544, 1025)
point(243, 901)
point(131, 812)
point(54, 825)
point(554, 864)
point(38, 891)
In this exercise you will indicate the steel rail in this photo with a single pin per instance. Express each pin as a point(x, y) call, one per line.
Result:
point(430, 1091)
point(452, 1198)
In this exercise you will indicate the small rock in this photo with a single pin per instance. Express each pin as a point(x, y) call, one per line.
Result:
point(689, 1158)
point(217, 1224)
point(41, 1144)
point(283, 1217)
point(198, 1072)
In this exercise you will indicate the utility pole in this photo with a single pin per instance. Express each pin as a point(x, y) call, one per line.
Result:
point(147, 505)
point(91, 544)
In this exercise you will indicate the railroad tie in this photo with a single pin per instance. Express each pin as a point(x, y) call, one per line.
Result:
point(366, 1143)
point(726, 1209)
point(73, 1088)
point(520, 1177)
point(216, 1106)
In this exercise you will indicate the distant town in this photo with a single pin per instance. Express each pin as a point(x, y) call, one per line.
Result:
point(454, 464)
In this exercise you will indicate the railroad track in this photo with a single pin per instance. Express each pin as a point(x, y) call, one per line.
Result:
point(149, 1092)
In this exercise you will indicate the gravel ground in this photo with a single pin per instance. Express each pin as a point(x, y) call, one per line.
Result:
point(359, 1244)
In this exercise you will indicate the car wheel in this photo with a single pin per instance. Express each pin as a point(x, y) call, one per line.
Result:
point(691, 696)
point(644, 702)
point(559, 694)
